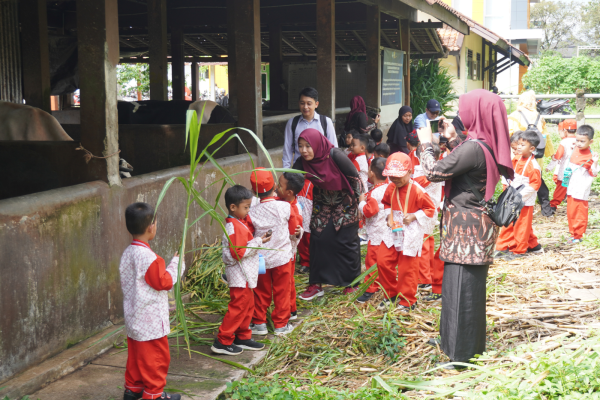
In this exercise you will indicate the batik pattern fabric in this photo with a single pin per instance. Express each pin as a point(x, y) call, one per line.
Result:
point(305, 200)
point(376, 222)
point(274, 215)
point(146, 310)
point(341, 206)
point(363, 172)
point(241, 265)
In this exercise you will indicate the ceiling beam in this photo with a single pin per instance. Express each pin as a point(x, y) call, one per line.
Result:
point(217, 44)
point(309, 39)
point(426, 25)
point(436, 43)
point(360, 40)
point(414, 42)
point(342, 47)
point(284, 40)
point(387, 40)
point(196, 46)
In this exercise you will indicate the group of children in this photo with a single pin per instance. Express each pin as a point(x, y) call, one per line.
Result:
point(575, 167)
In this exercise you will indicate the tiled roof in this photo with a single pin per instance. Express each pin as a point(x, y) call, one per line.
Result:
point(450, 38)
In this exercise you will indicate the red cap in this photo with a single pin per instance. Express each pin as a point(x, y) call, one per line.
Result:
point(397, 165)
point(570, 124)
point(561, 125)
point(261, 180)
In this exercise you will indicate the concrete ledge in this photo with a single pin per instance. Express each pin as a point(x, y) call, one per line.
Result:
point(63, 364)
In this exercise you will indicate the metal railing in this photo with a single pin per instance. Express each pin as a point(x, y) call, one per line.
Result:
point(510, 97)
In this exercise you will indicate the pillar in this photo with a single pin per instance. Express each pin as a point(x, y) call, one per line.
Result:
point(247, 79)
point(405, 46)
point(231, 65)
point(35, 53)
point(159, 64)
point(177, 63)
point(326, 57)
point(276, 67)
point(10, 53)
point(195, 81)
point(373, 95)
point(98, 46)
point(211, 82)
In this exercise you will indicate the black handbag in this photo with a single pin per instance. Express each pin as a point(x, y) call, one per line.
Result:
point(507, 209)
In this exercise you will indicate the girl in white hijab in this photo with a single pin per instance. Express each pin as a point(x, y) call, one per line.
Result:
point(528, 106)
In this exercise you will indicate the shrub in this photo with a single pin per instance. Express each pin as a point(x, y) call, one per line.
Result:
point(430, 81)
point(557, 75)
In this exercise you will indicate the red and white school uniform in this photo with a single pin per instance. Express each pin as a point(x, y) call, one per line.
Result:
point(296, 213)
point(241, 267)
point(377, 230)
point(275, 284)
point(578, 192)
point(145, 281)
point(561, 159)
point(305, 200)
point(519, 237)
point(414, 159)
point(360, 162)
point(409, 199)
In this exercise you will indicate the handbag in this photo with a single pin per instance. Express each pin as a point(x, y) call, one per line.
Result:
point(508, 208)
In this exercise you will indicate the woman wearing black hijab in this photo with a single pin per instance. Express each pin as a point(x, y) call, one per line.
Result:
point(399, 130)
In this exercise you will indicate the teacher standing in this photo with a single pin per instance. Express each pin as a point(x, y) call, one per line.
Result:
point(399, 130)
point(468, 235)
point(334, 241)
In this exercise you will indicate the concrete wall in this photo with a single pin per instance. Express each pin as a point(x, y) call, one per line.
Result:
point(60, 252)
point(465, 84)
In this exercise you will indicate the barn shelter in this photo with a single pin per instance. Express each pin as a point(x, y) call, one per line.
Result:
point(61, 219)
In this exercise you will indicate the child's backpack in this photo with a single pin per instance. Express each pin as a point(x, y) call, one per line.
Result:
point(541, 148)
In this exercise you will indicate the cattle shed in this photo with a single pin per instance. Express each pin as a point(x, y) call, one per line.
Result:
point(61, 219)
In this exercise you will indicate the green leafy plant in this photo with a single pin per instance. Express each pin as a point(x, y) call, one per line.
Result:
point(430, 81)
point(556, 75)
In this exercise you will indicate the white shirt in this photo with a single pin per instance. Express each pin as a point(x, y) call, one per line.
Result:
point(288, 158)
point(275, 215)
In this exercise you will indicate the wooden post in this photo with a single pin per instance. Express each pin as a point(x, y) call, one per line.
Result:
point(373, 94)
point(10, 53)
point(177, 64)
point(195, 81)
point(276, 66)
point(482, 66)
point(249, 86)
point(405, 46)
point(35, 53)
point(231, 58)
point(580, 104)
point(98, 46)
point(326, 57)
point(159, 64)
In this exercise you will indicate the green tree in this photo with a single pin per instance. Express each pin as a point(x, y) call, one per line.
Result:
point(591, 22)
point(557, 75)
point(138, 73)
point(559, 20)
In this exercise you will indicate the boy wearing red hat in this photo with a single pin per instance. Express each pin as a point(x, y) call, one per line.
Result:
point(561, 159)
point(409, 208)
point(274, 285)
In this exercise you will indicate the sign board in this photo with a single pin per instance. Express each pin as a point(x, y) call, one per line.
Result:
point(392, 77)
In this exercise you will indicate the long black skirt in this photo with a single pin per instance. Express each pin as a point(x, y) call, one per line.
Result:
point(462, 325)
point(335, 255)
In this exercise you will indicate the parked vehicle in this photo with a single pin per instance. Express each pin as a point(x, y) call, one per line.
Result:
point(554, 106)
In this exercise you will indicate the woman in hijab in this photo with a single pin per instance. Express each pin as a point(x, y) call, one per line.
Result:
point(526, 114)
point(468, 235)
point(399, 130)
point(334, 242)
point(357, 118)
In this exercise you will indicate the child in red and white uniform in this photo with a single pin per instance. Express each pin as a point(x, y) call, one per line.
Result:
point(412, 141)
point(382, 150)
point(348, 139)
point(434, 190)
point(377, 136)
point(273, 286)
point(145, 281)
point(370, 157)
point(406, 204)
point(305, 199)
point(584, 168)
point(375, 221)
point(240, 257)
point(518, 239)
point(290, 185)
point(359, 147)
point(561, 159)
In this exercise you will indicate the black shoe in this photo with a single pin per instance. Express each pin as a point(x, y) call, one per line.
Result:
point(513, 256)
point(224, 277)
point(303, 270)
point(231, 350)
point(131, 395)
point(434, 342)
point(450, 366)
point(366, 296)
point(405, 309)
point(293, 315)
point(536, 250)
point(426, 287)
point(432, 297)
point(501, 254)
point(385, 303)
point(167, 396)
point(248, 344)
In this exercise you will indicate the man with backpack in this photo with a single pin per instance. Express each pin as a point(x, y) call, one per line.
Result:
point(308, 102)
point(526, 117)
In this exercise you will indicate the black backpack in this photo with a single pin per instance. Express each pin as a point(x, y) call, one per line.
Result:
point(507, 209)
point(295, 121)
point(541, 148)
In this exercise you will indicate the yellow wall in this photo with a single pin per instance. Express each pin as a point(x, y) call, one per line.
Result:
point(221, 77)
point(478, 11)
point(464, 84)
point(449, 2)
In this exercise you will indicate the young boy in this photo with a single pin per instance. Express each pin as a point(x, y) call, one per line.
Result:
point(406, 205)
point(241, 267)
point(516, 240)
point(305, 199)
point(375, 221)
point(370, 151)
point(145, 282)
point(584, 168)
point(359, 146)
point(290, 185)
point(382, 150)
point(434, 190)
point(561, 159)
point(349, 137)
point(275, 216)
point(412, 141)
point(514, 145)
point(377, 136)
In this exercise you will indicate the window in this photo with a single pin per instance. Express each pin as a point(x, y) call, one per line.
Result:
point(477, 76)
point(469, 64)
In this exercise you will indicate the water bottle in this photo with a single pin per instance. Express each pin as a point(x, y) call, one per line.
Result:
point(398, 233)
point(567, 176)
point(262, 268)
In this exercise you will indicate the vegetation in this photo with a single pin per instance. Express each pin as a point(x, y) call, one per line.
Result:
point(137, 73)
point(554, 74)
point(430, 81)
point(559, 21)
